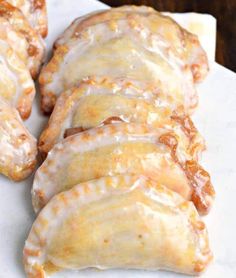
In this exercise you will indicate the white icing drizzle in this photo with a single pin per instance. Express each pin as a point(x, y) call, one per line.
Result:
point(162, 207)
point(127, 51)
point(49, 177)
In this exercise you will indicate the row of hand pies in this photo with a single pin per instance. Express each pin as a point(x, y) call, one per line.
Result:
point(22, 23)
point(121, 185)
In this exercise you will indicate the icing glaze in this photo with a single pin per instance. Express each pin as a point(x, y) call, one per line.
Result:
point(119, 149)
point(137, 223)
point(98, 101)
point(151, 49)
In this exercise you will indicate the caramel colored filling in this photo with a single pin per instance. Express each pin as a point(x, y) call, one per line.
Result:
point(199, 179)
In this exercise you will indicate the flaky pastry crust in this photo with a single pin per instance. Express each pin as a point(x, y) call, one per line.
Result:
point(195, 55)
point(98, 101)
point(117, 222)
point(149, 48)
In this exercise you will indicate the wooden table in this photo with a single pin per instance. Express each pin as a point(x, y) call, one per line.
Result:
point(223, 10)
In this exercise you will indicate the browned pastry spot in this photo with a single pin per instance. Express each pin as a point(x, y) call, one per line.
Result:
point(39, 4)
point(72, 131)
point(24, 173)
point(112, 120)
point(41, 196)
point(32, 50)
point(47, 103)
point(50, 268)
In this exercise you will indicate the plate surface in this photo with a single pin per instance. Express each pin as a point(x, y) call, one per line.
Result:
point(215, 118)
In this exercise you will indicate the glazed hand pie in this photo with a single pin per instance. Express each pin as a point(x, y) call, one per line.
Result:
point(119, 149)
point(35, 45)
point(117, 222)
point(35, 12)
point(16, 84)
point(131, 46)
point(99, 101)
point(158, 23)
point(18, 146)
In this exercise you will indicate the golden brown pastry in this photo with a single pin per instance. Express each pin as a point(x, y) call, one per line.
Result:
point(36, 13)
point(16, 84)
point(99, 101)
point(117, 222)
point(18, 147)
point(35, 44)
point(121, 186)
point(159, 23)
point(151, 49)
point(82, 22)
point(119, 149)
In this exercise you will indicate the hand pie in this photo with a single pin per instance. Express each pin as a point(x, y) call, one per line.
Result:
point(117, 222)
point(18, 146)
point(158, 23)
point(16, 84)
point(129, 47)
point(99, 101)
point(35, 12)
point(119, 149)
point(35, 44)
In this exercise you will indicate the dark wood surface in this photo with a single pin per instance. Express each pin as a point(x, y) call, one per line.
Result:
point(223, 10)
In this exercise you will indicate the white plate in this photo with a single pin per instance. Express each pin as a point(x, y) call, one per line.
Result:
point(215, 118)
